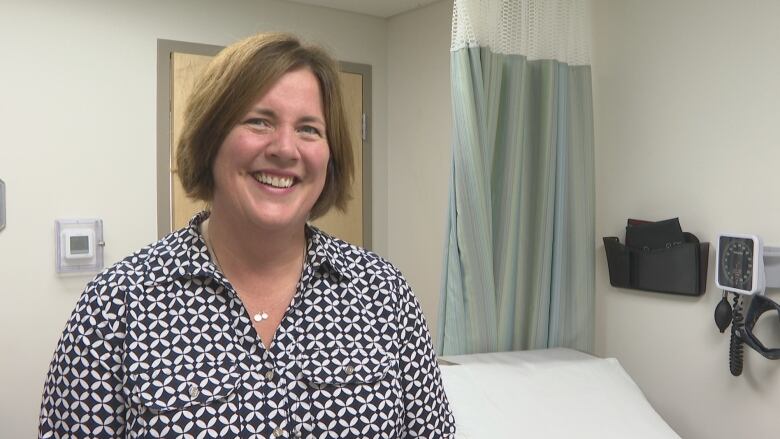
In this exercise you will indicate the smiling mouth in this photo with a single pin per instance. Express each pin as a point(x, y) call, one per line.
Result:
point(274, 180)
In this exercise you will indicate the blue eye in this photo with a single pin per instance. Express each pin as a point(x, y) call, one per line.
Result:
point(308, 129)
point(257, 122)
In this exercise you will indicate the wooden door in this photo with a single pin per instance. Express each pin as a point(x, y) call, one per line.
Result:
point(349, 225)
point(185, 69)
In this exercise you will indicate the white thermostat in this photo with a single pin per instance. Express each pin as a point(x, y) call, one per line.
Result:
point(79, 245)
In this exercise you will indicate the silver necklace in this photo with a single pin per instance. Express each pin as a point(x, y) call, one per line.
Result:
point(261, 315)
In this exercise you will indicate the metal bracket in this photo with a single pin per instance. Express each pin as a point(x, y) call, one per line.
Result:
point(772, 266)
point(2, 205)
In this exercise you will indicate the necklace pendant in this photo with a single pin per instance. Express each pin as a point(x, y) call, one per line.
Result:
point(259, 317)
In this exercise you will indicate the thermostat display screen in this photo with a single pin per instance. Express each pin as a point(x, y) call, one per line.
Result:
point(79, 245)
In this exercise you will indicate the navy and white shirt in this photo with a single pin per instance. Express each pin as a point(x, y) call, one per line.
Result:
point(160, 345)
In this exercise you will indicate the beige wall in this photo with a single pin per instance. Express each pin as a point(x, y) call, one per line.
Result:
point(687, 103)
point(419, 135)
point(681, 90)
point(78, 124)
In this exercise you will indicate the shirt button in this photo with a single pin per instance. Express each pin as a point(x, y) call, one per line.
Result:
point(269, 375)
point(349, 370)
point(194, 392)
point(278, 432)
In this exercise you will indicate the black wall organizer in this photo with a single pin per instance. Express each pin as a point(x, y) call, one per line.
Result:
point(658, 256)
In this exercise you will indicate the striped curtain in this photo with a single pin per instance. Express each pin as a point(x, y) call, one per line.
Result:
point(519, 255)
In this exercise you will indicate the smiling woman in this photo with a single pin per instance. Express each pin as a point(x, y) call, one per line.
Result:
point(249, 321)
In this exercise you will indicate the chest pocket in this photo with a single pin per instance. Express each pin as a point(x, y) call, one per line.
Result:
point(185, 386)
point(351, 394)
point(191, 400)
point(342, 367)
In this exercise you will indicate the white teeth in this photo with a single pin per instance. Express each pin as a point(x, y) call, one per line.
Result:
point(281, 182)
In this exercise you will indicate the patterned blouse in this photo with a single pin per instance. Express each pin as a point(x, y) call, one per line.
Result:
point(160, 345)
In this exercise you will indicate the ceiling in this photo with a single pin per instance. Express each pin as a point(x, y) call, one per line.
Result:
point(376, 8)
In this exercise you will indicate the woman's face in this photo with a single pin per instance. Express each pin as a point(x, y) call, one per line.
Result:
point(271, 168)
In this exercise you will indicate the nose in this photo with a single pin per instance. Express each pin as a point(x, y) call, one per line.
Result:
point(284, 145)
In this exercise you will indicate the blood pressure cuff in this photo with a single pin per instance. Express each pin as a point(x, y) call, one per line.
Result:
point(759, 304)
point(649, 235)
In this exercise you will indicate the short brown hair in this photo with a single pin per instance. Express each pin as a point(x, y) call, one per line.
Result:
point(233, 80)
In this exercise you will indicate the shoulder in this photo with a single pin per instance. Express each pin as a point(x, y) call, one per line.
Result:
point(101, 311)
point(354, 261)
point(145, 265)
point(369, 275)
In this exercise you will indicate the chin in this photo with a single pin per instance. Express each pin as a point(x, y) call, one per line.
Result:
point(279, 220)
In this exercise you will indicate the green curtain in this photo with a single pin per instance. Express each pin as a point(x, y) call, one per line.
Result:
point(519, 254)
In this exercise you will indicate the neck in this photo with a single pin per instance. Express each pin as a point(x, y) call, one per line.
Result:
point(247, 250)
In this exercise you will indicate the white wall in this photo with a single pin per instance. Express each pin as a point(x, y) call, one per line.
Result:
point(419, 136)
point(687, 103)
point(77, 139)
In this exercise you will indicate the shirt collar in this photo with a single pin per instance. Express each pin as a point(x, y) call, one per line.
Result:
point(328, 251)
point(183, 254)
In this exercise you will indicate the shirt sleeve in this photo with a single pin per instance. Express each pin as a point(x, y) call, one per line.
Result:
point(83, 396)
point(427, 411)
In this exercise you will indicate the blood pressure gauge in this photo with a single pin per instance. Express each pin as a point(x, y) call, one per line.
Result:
point(740, 263)
point(742, 268)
